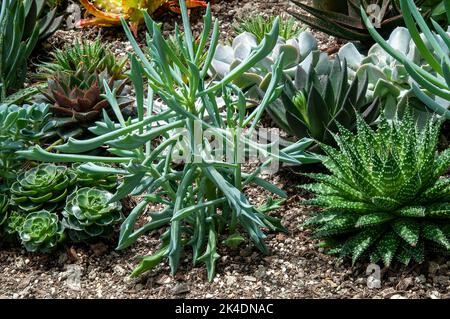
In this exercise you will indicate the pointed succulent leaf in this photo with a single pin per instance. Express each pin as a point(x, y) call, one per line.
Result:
point(434, 233)
point(387, 247)
point(408, 230)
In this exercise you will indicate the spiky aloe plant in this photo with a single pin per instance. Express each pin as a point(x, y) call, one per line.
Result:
point(386, 197)
point(22, 24)
point(93, 56)
point(44, 15)
point(13, 51)
point(259, 26)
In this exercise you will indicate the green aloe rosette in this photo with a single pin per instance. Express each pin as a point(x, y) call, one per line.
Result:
point(41, 231)
point(43, 187)
point(389, 201)
point(89, 213)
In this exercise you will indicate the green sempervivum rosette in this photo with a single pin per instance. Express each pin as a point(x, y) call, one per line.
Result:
point(102, 180)
point(13, 224)
point(41, 231)
point(387, 197)
point(88, 213)
point(43, 187)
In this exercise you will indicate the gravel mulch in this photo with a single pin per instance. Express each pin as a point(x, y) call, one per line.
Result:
point(295, 269)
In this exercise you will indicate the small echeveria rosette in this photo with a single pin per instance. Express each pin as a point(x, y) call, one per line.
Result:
point(41, 232)
point(88, 214)
point(43, 187)
point(13, 224)
point(104, 180)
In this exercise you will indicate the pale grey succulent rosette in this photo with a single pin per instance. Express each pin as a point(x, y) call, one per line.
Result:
point(41, 232)
point(89, 213)
point(388, 78)
point(296, 51)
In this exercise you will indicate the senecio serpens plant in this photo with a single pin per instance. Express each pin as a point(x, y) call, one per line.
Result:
point(387, 200)
point(203, 197)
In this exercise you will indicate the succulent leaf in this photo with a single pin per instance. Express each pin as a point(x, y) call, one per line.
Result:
point(350, 25)
point(4, 208)
point(20, 128)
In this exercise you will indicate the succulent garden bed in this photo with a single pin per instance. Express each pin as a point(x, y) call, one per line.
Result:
point(98, 198)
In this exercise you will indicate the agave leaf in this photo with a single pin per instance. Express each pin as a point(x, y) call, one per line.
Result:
point(347, 20)
point(329, 26)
